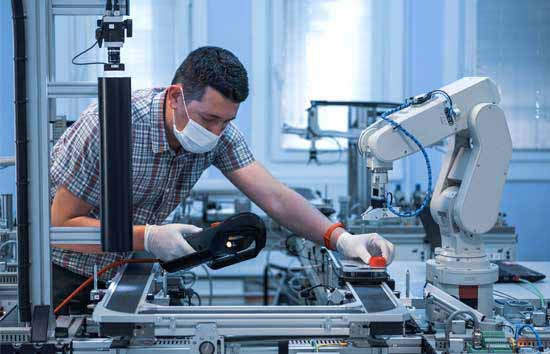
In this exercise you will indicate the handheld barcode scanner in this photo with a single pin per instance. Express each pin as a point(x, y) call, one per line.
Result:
point(239, 238)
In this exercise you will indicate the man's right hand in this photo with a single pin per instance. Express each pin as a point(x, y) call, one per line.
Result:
point(166, 242)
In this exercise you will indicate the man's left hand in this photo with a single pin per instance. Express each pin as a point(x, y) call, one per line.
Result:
point(365, 246)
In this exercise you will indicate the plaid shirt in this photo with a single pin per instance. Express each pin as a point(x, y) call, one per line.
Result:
point(162, 177)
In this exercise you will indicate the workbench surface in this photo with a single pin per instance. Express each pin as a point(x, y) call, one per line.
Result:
point(397, 270)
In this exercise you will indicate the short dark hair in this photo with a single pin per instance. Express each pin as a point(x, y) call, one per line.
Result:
point(215, 67)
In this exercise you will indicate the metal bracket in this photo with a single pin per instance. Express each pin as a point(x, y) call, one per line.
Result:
point(206, 339)
point(327, 325)
point(144, 335)
point(359, 330)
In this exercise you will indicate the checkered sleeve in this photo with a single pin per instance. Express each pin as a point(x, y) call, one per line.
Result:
point(75, 158)
point(232, 151)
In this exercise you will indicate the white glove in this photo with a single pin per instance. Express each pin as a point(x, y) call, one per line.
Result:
point(364, 246)
point(166, 242)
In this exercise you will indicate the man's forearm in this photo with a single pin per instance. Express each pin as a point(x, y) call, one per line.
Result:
point(295, 213)
point(283, 204)
point(85, 221)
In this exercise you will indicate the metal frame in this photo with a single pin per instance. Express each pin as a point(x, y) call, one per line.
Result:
point(263, 321)
point(75, 235)
point(43, 90)
point(38, 24)
point(72, 89)
point(81, 7)
point(396, 345)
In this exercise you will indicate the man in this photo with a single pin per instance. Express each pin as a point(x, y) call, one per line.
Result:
point(178, 132)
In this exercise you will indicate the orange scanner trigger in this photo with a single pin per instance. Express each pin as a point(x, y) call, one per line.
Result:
point(377, 262)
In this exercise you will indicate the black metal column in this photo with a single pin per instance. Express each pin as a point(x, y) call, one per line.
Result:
point(21, 154)
point(115, 118)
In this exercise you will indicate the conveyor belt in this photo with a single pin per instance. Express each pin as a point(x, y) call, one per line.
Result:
point(374, 298)
point(128, 292)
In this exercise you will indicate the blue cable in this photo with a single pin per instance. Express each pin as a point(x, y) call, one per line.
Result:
point(520, 328)
point(451, 115)
point(405, 132)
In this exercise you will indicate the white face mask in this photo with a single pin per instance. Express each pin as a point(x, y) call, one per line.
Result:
point(194, 137)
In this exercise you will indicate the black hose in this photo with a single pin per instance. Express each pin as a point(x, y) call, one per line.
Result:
point(21, 144)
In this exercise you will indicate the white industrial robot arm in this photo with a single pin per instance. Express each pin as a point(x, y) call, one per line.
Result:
point(478, 156)
point(467, 195)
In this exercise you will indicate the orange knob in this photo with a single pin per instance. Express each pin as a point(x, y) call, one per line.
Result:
point(377, 262)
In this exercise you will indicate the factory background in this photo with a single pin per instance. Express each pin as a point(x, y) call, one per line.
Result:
point(418, 47)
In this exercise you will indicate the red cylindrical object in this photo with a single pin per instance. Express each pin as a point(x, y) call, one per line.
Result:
point(377, 262)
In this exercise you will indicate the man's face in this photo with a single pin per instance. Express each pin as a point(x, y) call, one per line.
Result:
point(213, 111)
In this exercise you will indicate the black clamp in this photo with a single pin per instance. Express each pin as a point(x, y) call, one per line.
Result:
point(239, 238)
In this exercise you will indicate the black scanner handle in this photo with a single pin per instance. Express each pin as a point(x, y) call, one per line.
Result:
point(239, 238)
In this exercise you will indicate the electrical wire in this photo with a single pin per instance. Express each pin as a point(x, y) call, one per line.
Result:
point(445, 95)
point(510, 327)
point(452, 316)
point(210, 284)
point(99, 273)
point(384, 116)
point(405, 132)
point(195, 294)
point(188, 278)
point(296, 286)
point(317, 286)
point(520, 328)
point(535, 290)
point(84, 52)
point(340, 151)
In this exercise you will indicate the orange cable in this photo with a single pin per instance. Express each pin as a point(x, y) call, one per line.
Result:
point(99, 273)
